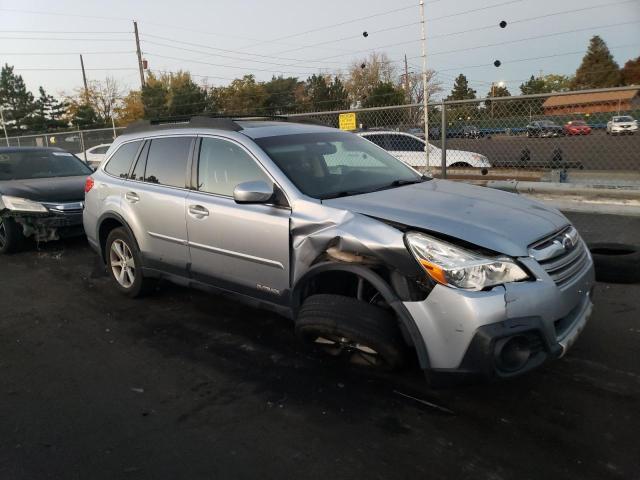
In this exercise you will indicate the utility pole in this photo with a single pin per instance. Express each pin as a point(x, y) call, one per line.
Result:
point(407, 86)
point(425, 105)
point(84, 79)
point(135, 30)
point(4, 126)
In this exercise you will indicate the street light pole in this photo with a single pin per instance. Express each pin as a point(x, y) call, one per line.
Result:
point(425, 100)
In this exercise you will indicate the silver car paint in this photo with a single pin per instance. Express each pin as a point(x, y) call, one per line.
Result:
point(447, 319)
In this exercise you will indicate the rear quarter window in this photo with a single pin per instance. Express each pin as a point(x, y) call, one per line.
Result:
point(167, 161)
point(120, 162)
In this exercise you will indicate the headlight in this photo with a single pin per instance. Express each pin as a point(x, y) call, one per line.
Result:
point(456, 267)
point(22, 204)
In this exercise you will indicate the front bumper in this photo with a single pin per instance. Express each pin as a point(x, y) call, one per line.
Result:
point(45, 227)
point(630, 129)
point(467, 332)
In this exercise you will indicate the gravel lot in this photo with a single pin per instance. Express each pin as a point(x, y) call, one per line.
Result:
point(188, 385)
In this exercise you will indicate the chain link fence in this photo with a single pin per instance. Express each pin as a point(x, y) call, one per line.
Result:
point(568, 137)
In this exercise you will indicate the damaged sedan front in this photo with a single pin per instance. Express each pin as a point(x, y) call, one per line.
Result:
point(41, 195)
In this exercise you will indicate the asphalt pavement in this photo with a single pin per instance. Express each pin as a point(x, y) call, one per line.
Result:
point(596, 151)
point(184, 384)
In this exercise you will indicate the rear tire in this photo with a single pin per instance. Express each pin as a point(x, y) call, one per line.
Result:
point(460, 165)
point(124, 264)
point(11, 237)
point(352, 330)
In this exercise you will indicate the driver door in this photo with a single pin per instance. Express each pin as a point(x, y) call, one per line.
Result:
point(238, 247)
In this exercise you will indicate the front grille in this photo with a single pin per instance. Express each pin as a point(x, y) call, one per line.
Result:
point(563, 255)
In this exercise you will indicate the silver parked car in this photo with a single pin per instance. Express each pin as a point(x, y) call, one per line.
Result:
point(370, 259)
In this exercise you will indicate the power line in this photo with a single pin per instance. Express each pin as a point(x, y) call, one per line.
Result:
point(54, 39)
point(69, 53)
point(64, 32)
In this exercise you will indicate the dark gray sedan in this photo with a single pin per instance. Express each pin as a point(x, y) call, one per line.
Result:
point(41, 195)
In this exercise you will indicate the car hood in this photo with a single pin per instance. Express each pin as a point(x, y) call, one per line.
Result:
point(57, 189)
point(503, 222)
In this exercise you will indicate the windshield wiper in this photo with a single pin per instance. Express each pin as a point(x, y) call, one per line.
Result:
point(346, 193)
point(401, 183)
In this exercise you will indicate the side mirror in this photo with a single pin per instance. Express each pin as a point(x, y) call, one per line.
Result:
point(257, 191)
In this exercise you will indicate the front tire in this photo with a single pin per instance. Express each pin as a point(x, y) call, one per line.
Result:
point(124, 264)
point(352, 330)
point(11, 237)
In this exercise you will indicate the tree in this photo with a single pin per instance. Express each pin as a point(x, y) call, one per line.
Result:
point(282, 94)
point(598, 68)
point(502, 108)
point(131, 109)
point(384, 94)
point(17, 102)
point(185, 96)
point(367, 74)
point(533, 86)
point(631, 72)
point(416, 92)
point(321, 92)
point(243, 95)
point(461, 89)
point(154, 97)
point(84, 116)
point(48, 113)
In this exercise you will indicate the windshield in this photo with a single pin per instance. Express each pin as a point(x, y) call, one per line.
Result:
point(547, 123)
point(334, 164)
point(31, 164)
point(623, 119)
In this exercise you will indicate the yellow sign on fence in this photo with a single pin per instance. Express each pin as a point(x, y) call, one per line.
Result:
point(347, 121)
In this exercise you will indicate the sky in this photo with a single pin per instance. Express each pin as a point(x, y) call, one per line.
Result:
point(218, 40)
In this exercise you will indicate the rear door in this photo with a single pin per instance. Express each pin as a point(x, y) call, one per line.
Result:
point(243, 248)
point(154, 201)
point(411, 150)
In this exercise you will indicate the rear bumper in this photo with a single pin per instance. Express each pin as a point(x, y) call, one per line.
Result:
point(504, 332)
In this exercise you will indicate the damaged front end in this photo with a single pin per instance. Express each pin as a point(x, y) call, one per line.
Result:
point(43, 221)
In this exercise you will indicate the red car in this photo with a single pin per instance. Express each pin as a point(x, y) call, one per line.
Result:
point(576, 127)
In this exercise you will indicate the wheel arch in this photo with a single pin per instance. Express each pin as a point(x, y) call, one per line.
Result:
point(380, 284)
point(107, 223)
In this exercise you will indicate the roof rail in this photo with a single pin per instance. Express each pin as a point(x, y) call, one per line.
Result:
point(220, 123)
point(210, 121)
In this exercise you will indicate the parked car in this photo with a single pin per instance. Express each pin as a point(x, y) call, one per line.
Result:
point(95, 155)
point(467, 131)
point(544, 128)
point(411, 150)
point(369, 258)
point(621, 125)
point(41, 195)
point(577, 127)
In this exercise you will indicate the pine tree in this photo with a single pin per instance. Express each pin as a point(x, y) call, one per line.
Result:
point(48, 113)
point(533, 86)
point(16, 101)
point(461, 89)
point(598, 68)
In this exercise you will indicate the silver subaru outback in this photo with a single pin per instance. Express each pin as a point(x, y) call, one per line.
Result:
point(373, 261)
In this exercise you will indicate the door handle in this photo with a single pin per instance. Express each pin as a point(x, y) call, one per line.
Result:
point(198, 211)
point(131, 197)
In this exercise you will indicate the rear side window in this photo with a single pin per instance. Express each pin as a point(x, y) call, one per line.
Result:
point(120, 162)
point(167, 161)
point(403, 143)
point(223, 165)
point(379, 140)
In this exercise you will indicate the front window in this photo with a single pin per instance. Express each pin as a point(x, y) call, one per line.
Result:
point(333, 164)
point(32, 164)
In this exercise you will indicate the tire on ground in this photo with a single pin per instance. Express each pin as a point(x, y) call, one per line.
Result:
point(141, 285)
point(337, 316)
point(13, 239)
point(616, 262)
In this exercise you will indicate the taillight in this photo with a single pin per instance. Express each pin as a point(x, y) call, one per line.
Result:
point(88, 184)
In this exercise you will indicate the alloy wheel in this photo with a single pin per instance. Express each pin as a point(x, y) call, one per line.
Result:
point(122, 263)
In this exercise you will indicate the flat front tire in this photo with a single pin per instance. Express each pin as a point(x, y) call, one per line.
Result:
point(351, 330)
point(124, 264)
